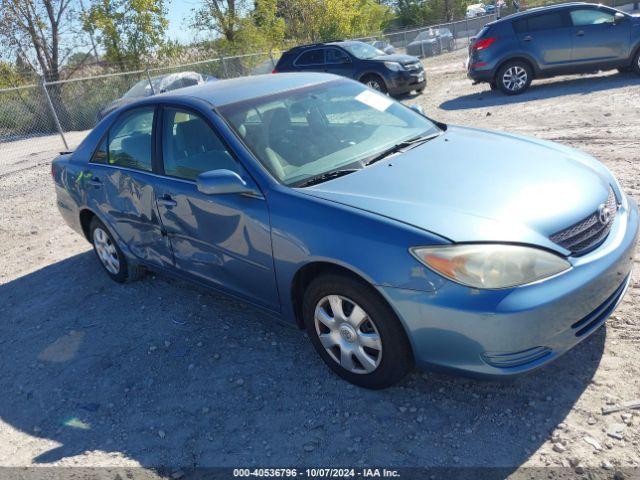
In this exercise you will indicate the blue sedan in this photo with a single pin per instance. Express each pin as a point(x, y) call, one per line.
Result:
point(394, 240)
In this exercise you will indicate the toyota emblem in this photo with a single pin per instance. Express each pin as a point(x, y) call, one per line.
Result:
point(604, 214)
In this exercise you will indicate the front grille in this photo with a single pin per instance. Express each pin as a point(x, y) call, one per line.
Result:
point(590, 232)
point(600, 314)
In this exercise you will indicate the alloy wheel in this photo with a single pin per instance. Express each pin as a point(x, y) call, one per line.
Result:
point(106, 250)
point(348, 334)
point(515, 78)
point(374, 84)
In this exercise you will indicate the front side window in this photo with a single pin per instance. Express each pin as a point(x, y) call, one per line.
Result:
point(190, 147)
point(585, 17)
point(311, 57)
point(128, 142)
point(337, 56)
point(302, 133)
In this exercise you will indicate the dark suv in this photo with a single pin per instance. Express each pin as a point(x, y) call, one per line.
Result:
point(393, 74)
point(555, 40)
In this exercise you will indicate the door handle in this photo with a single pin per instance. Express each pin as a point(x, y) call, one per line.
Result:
point(167, 201)
point(580, 33)
point(528, 38)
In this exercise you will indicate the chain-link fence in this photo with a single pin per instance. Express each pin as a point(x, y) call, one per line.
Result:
point(53, 116)
point(433, 39)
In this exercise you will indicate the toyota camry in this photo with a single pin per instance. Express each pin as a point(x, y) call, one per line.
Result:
point(394, 240)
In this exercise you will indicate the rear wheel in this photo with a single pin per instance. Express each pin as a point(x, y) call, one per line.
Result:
point(355, 332)
point(109, 254)
point(375, 82)
point(514, 77)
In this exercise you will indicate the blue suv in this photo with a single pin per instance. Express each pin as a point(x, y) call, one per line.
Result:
point(555, 40)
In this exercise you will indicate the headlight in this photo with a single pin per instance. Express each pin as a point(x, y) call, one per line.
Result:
point(491, 265)
point(394, 66)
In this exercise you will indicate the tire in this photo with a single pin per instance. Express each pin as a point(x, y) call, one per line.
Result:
point(625, 69)
point(375, 82)
point(386, 358)
point(636, 63)
point(110, 256)
point(493, 85)
point(514, 77)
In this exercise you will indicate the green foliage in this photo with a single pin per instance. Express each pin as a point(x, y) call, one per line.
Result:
point(9, 76)
point(128, 30)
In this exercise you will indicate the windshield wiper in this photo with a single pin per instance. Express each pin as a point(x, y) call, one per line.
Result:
point(323, 177)
point(401, 147)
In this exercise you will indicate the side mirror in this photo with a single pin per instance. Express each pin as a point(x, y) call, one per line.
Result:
point(618, 18)
point(417, 108)
point(345, 60)
point(220, 182)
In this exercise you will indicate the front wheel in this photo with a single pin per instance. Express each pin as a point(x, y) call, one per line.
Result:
point(514, 78)
point(375, 82)
point(636, 63)
point(355, 332)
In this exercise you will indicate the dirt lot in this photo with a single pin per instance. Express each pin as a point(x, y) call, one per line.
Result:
point(164, 375)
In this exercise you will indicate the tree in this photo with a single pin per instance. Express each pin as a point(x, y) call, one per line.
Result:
point(130, 31)
point(9, 76)
point(38, 30)
point(321, 20)
point(223, 17)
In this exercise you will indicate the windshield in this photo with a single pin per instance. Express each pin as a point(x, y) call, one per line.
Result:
point(143, 89)
point(303, 133)
point(362, 50)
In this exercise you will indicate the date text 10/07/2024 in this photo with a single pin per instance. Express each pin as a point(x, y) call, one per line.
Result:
point(316, 472)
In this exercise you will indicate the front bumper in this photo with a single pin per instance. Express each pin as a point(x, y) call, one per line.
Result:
point(406, 82)
point(505, 332)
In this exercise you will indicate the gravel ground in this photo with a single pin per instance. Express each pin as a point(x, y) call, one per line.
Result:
point(164, 375)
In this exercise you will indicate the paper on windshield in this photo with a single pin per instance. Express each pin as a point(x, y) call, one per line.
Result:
point(374, 100)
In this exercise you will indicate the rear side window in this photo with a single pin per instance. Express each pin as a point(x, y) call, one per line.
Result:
point(483, 32)
point(190, 147)
point(311, 57)
point(128, 142)
point(580, 18)
point(537, 23)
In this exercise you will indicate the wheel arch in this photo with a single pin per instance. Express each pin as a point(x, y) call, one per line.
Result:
point(86, 216)
point(518, 58)
point(634, 51)
point(308, 272)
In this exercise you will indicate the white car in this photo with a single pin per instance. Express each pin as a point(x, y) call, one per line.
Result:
point(476, 10)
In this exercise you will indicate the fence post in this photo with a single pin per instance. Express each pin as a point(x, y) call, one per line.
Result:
point(53, 113)
point(273, 63)
point(153, 90)
point(224, 67)
point(466, 22)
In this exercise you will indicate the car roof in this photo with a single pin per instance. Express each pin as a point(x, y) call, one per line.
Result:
point(547, 8)
point(224, 92)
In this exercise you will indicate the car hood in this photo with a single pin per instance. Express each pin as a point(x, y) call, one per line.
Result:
point(396, 57)
point(472, 185)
